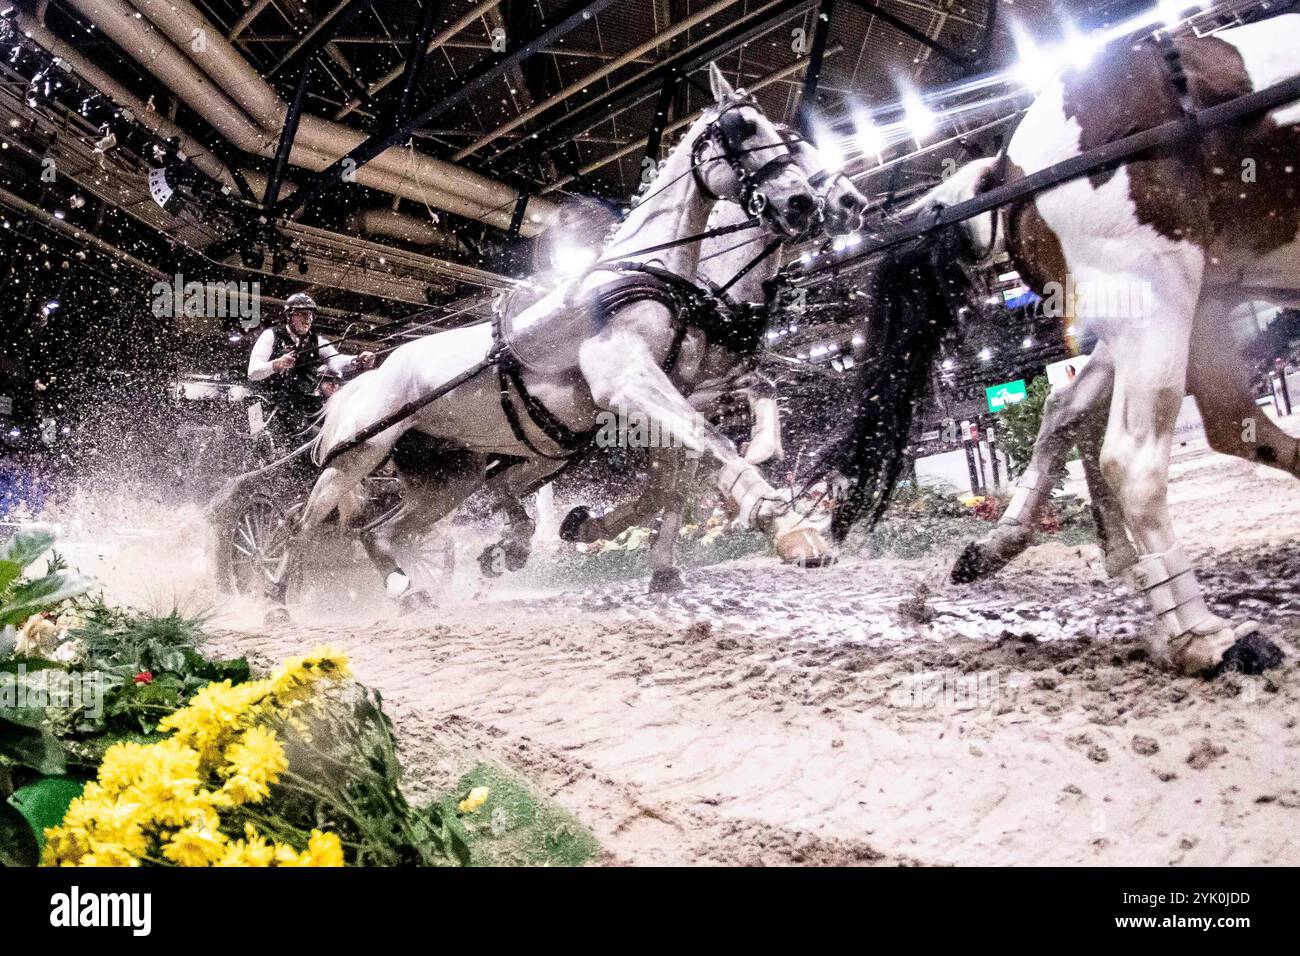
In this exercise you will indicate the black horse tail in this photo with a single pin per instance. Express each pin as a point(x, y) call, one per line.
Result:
point(914, 298)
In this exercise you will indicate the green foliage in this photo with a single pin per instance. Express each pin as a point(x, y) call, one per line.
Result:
point(515, 828)
point(44, 802)
point(24, 740)
point(124, 646)
point(1018, 427)
point(22, 596)
point(344, 777)
point(18, 846)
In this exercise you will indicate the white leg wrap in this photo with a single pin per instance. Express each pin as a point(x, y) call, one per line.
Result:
point(1031, 484)
point(1169, 583)
point(1197, 637)
point(396, 583)
point(745, 485)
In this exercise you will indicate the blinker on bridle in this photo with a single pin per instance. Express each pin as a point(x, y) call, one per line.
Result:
point(729, 129)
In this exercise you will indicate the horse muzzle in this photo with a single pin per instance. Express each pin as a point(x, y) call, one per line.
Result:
point(796, 216)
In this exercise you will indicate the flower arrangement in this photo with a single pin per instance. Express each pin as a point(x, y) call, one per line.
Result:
point(191, 798)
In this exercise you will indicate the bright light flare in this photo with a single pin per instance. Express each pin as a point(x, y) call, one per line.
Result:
point(921, 121)
point(870, 140)
point(1035, 68)
point(571, 259)
point(829, 148)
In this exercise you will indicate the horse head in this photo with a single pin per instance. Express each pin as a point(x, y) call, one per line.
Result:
point(843, 205)
point(742, 157)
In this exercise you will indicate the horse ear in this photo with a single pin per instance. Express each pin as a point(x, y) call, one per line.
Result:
point(721, 88)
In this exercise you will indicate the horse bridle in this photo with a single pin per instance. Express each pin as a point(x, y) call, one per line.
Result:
point(729, 130)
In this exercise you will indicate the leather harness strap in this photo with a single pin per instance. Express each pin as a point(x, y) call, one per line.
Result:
point(642, 283)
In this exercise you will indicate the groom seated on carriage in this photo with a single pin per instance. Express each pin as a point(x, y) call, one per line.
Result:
point(288, 363)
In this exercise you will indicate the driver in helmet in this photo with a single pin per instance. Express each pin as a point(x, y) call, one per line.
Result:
point(287, 363)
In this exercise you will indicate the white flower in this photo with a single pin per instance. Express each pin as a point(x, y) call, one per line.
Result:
point(37, 637)
point(70, 652)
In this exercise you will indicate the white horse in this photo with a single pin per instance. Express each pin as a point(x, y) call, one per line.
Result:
point(722, 259)
point(1180, 232)
point(515, 399)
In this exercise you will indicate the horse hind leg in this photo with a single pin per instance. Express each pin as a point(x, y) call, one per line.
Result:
point(511, 553)
point(435, 481)
point(1234, 424)
point(390, 537)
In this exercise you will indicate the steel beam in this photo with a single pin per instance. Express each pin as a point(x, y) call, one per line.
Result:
point(415, 56)
point(812, 76)
point(639, 88)
point(291, 120)
point(656, 137)
point(320, 34)
point(564, 21)
point(965, 61)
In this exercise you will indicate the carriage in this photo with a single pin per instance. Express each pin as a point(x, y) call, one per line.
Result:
point(252, 517)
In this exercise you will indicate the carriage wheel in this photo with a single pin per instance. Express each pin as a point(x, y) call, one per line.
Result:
point(258, 542)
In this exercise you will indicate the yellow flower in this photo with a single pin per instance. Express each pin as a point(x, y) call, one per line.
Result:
point(217, 712)
point(294, 679)
point(65, 846)
point(108, 854)
point(477, 797)
point(122, 765)
point(323, 849)
point(256, 754)
point(195, 846)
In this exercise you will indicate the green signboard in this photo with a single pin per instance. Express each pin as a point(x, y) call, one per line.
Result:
point(1008, 393)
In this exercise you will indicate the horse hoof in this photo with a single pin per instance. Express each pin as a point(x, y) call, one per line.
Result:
point(413, 602)
point(516, 555)
point(666, 581)
point(573, 522)
point(492, 561)
point(805, 548)
point(970, 565)
point(277, 615)
point(1251, 654)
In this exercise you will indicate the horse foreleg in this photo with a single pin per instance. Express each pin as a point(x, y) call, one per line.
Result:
point(1075, 407)
point(765, 436)
point(664, 575)
point(582, 526)
point(1151, 360)
point(624, 376)
point(1117, 551)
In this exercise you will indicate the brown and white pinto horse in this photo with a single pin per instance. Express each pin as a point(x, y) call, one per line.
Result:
point(1191, 230)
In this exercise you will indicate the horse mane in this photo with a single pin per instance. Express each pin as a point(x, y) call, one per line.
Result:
point(913, 301)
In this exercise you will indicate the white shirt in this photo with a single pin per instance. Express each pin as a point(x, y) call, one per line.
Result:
point(259, 363)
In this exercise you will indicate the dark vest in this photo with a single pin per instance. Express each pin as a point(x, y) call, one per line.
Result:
point(295, 390)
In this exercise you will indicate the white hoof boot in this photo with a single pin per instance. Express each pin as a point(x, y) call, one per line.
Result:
point(1196, 638)
point(396, 584)
point(799, 543)
point(745, 485)
point(1201, 650)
